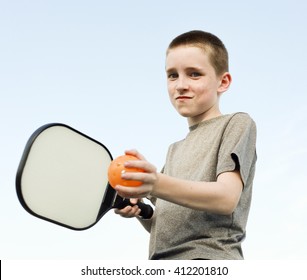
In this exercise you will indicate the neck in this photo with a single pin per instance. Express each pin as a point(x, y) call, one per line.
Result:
point(210, 114)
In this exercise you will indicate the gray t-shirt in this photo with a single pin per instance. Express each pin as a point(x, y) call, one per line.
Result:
point(212, 147)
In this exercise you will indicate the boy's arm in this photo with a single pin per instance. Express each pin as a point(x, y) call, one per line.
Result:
point(220, 197)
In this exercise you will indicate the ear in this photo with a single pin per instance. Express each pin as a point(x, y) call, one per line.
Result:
point(225, 82)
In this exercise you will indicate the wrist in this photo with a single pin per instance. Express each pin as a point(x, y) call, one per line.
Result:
point(157, 185)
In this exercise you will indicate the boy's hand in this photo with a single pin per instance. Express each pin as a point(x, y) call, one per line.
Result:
point(129, 211)
point(148, 178)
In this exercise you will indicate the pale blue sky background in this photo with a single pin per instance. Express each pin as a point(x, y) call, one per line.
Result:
point(98, 66)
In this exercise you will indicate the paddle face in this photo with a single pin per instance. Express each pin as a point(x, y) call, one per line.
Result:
point(62, 177)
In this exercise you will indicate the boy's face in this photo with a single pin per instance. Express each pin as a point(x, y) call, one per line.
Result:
point(193, 86)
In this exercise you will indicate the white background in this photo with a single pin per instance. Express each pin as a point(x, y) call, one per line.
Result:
point(98, 66)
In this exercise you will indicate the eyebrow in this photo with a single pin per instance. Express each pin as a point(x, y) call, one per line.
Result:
point(169, 70)
point(173, 69)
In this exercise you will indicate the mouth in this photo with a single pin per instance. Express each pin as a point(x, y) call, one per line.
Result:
point(183, 97)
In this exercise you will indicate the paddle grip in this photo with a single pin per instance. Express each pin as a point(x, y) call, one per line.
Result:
point(146, 210)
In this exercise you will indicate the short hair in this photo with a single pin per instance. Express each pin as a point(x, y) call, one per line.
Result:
point(211, 44)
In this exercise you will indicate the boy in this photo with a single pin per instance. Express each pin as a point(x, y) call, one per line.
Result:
point(203, 194)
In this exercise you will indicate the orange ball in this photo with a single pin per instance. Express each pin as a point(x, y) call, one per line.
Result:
point(117, 168)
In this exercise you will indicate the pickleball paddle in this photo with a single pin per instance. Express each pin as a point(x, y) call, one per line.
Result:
point(62, 178)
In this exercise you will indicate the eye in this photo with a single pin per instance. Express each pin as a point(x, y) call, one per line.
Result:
point(172, 76)
point(195, 74)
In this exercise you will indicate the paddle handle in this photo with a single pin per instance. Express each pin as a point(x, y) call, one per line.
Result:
point(146, 210)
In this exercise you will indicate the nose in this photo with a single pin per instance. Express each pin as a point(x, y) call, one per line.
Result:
point(182, 84)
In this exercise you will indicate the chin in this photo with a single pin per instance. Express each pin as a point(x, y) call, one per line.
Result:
point(184, 114)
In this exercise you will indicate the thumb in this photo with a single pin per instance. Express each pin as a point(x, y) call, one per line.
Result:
point(133, 201)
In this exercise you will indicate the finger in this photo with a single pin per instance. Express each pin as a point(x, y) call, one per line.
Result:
point(128, 212)
point(140, 164)
point(135, 153)
point(143, 177)
point(138, 212)
point(129, 192)
point(123, 211)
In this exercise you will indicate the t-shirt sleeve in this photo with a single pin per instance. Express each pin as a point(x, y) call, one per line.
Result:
point(238, 146)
